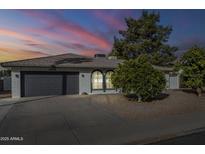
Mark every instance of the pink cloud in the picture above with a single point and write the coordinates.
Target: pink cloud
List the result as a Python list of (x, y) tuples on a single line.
[(56, 21), (30, 41), (17, 35), (109, 19), (59, 36), (52, 35)]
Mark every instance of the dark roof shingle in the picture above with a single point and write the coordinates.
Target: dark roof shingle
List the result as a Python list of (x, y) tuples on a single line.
[(66, 60), (72, 61)]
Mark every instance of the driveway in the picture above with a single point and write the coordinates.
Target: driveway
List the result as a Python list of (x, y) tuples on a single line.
[(56, 120), (83, 120)]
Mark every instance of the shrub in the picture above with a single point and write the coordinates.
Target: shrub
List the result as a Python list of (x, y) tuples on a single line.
[(192, 64), (138, 77)]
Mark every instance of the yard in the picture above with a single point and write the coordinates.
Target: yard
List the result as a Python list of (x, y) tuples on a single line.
[(173, 103)]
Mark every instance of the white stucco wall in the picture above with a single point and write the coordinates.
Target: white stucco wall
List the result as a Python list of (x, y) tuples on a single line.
[(16, 84), (84, 82)]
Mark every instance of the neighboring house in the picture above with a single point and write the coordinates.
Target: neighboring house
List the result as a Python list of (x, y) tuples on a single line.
[(5, 80), (68, 74), (6, 83)]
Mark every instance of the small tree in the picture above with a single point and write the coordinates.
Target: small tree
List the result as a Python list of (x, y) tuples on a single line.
[(137, 76), (192, 64)]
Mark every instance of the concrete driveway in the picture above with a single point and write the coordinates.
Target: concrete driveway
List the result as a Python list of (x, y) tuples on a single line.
[(57, 120), (80, 120)]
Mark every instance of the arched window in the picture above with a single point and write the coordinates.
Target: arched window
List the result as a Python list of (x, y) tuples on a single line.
[(108, 80), (97, 80)]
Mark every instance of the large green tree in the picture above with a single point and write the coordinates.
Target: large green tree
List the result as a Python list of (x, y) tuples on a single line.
[(137, 76), (192, 65), (145, 36)]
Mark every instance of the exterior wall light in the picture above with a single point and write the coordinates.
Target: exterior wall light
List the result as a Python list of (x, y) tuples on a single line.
[(17, 75)]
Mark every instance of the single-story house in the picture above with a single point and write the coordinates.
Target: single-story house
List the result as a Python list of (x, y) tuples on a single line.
[(69, 74)]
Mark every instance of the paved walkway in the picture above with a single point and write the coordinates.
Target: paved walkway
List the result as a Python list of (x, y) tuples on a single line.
[(78, 120)]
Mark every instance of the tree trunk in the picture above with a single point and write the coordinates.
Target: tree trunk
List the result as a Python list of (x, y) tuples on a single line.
[(139, 99), (199, 91)]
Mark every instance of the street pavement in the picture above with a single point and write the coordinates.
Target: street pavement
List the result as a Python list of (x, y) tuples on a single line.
[(191, 139)]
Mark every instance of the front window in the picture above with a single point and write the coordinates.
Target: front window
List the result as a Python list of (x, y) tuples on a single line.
[(97, 80), (109, 84)]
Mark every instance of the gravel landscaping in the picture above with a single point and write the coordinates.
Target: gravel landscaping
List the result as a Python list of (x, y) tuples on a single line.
[(176, 102)]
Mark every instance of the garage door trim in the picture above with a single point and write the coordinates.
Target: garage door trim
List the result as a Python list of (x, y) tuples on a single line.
[(64, 81)]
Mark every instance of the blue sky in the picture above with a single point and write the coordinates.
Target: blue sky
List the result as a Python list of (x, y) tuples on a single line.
[(33, 33)]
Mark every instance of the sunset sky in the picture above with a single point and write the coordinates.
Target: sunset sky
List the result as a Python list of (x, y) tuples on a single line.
[(33, 33)]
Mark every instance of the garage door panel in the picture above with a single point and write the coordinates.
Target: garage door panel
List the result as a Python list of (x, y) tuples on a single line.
[(72, 84), (42, 85)]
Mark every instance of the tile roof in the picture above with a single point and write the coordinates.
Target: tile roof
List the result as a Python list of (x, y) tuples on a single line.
[(66, 60), (71, 61)]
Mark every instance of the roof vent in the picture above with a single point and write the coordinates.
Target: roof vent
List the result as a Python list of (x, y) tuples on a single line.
[(100, 56)]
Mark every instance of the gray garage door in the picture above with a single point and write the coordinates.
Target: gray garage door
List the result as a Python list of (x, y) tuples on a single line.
[(72, 84), (43, 84)]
